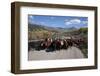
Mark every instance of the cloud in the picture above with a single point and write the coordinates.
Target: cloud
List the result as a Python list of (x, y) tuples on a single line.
[(72, 21), (31, 19), (68, 23), (42, 23), (84, 22), (76, 23)]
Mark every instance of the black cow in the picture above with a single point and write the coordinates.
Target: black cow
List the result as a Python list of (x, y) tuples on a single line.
[(33, 45)]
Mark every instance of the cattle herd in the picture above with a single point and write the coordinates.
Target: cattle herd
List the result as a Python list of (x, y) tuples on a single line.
[(51, 45)]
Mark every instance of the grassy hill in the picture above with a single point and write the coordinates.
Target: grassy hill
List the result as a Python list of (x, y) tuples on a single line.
[(39, 32), (36, 31)]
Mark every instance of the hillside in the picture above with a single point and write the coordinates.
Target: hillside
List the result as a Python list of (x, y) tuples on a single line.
[(36, 31), (39, 32)]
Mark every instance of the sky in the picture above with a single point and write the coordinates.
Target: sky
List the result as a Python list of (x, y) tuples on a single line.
[(58, 21)]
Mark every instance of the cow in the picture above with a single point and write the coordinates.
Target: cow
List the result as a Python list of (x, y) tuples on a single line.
[(46, 43), (69, 42), (65, 44), (57, 44), (33, 45)]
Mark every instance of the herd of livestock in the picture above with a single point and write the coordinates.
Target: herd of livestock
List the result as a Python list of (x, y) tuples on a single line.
[(51, 45)]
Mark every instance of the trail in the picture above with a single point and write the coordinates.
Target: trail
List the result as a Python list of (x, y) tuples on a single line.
[(70, 53)]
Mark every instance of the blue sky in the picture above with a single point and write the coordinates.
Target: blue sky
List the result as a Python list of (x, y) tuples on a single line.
[(58, 21)]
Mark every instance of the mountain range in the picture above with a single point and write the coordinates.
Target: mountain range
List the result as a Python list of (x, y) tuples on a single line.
[(35, 27)]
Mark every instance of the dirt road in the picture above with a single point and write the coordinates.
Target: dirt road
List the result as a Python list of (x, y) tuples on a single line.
[(70, 53)]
